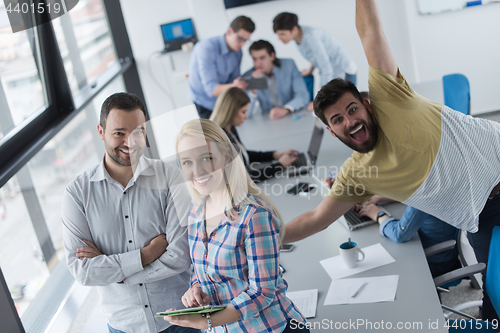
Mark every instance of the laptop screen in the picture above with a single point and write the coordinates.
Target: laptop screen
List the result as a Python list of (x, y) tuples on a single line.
[(315, 143)]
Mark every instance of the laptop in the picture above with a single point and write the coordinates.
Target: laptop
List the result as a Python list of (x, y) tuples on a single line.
[(306, 161), (176, 34), (352, 221)]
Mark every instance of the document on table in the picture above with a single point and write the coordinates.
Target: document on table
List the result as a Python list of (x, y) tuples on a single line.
[(376, 289), (375, 255), (305, 300)]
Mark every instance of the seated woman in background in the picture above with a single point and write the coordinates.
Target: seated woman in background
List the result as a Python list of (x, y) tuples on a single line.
[(234, 240), (231, 111)]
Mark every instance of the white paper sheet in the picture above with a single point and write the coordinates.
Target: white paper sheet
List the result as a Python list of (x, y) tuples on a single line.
[(377, 289), (305, 300), (375, 255)]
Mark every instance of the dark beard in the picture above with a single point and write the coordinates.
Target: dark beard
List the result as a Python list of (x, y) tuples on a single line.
[(114, 154), (368, 145)]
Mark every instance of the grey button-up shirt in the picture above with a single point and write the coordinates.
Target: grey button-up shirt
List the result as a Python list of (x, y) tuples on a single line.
[(325, 53), (120, 221)]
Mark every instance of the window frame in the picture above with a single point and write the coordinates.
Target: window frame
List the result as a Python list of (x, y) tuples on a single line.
[(26, 139)]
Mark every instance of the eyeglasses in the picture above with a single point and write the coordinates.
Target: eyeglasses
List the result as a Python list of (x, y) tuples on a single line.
[(241, 39)]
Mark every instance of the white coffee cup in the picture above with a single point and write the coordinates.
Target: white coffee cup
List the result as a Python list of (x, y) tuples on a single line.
[(350, 253)]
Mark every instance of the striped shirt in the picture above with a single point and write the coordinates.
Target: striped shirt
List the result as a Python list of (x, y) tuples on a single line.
[(428, 156), (325, 52), (238, 265), (465, 171)]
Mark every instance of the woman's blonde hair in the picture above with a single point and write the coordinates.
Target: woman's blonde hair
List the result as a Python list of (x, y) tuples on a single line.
[(227, 105), (238, 182)]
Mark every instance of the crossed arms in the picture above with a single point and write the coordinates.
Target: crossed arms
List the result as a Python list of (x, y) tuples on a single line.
[(160, 257)]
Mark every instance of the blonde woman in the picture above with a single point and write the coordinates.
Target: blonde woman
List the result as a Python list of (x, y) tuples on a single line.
[(230, 112), (234, 240)]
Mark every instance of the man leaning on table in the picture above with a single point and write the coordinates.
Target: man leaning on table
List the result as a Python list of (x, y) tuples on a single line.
[(286, 90), (121, 226), (426, 155), (215, 65)]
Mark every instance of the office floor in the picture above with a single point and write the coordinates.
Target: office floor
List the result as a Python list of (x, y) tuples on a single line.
[(495, 116), (461, 294), (90, 320)]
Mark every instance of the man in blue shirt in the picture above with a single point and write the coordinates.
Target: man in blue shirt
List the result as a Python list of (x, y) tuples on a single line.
[(286, 90), (215, 65)]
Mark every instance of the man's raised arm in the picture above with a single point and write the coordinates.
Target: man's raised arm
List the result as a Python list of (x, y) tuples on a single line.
[(372, 37), (327, 212)]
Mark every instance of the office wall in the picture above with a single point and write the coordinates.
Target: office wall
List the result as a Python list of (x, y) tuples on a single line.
[(143, 20), (426, 47), (336, 16), (464, 41)]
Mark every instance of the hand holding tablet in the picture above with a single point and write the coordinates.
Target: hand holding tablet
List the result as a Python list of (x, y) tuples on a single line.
[(255, 83), (199, 310)]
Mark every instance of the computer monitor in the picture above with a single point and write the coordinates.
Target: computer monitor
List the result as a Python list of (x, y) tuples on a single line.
[(177, 33)]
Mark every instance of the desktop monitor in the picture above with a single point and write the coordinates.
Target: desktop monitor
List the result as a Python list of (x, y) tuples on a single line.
[(177, 33)]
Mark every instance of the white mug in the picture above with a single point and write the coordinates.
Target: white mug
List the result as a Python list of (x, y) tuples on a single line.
[(350, 253)]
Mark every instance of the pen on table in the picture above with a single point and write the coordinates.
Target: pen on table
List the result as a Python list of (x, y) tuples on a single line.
[(473, 3), (359, 289)]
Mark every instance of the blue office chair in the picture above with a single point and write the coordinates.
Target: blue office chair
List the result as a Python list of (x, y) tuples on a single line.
[(310, 86), (493, 271), (456, 91), (492, 278)]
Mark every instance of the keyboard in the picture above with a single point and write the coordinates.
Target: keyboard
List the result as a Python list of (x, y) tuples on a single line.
[(354, 221), (300, 162)]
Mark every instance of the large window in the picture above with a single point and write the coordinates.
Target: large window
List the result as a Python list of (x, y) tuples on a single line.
[(19, 73), (21, 258), (53, 80), (85, 43)]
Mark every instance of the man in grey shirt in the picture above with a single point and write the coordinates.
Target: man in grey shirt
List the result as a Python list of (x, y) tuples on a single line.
[(122, 225)]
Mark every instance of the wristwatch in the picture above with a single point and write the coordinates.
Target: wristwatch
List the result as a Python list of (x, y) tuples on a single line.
[(380, 214)]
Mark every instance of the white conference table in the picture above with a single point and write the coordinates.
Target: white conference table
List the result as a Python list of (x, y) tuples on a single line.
[(416, 303)]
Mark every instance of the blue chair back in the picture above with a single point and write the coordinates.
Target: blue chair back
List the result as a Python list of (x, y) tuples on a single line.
[(456, 91), (493, 269), (310, 86)]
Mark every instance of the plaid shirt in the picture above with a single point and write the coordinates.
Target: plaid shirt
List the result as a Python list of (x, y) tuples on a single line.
[(238, 265)]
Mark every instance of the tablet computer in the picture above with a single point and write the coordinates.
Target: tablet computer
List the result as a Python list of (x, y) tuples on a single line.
[(200, 309), (255, 82)]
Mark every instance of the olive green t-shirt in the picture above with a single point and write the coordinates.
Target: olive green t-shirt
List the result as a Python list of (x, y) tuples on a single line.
[(409, 138)]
